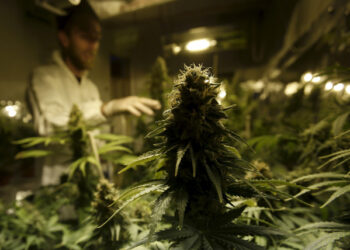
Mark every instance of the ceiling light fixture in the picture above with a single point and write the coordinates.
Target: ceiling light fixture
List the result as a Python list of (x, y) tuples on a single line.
[(338, 87), (328, 86), (307, 77), (200, 45)]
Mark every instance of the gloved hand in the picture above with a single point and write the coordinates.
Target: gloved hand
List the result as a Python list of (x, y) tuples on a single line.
[(132, 104)]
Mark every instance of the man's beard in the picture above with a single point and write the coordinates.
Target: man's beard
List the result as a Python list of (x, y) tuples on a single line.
[(78, 62)]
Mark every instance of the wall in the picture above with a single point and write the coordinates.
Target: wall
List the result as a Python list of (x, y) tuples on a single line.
[(28, 38)]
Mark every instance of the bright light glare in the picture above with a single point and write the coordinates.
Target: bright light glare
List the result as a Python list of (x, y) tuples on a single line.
[(11, 110), (308, 89), (338, 87), (198, 45), (222, 94), (258, 86), (176, 49), (20, 195), (347, 89), (74, 2), (291, 88), (328, 86), (307, 77), (316, 79)]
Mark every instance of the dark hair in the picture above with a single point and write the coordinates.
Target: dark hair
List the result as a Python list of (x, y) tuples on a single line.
[(82, 17)]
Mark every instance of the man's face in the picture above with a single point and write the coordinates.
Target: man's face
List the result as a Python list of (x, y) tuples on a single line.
[(81, 46)]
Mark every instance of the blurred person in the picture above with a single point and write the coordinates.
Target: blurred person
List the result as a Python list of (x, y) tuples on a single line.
[(55, 88)]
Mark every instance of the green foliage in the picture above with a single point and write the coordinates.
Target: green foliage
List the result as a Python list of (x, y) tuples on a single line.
[(213, 233), (29, 225), (158, 85), (32, 228), (114, 233), (335, 231), (205, 195), (201, 161), (159, 82), (33, 154), (85, 193)]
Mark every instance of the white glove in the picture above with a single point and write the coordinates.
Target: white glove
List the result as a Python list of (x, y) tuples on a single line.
[(132, 104)]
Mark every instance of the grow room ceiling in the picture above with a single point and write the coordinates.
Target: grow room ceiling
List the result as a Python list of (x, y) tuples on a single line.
[(261, 33), (251, 28), (267, 30), (112, 8)]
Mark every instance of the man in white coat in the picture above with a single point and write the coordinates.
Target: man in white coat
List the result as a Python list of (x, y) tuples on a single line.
[(55, 88)]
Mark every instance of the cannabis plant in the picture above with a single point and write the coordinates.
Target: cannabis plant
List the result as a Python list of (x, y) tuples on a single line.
[(200, 160), (12, 129), (333, 190), (82, 141), (35, 223), (158, 85), (89, 191), (114, 234)]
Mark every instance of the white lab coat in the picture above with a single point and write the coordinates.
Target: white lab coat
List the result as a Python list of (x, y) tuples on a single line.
[(52, 92)]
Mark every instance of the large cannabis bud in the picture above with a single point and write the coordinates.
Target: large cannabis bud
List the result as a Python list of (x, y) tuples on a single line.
[(197, 145), (114, 233)]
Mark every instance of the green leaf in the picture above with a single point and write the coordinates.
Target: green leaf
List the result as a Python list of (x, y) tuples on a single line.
[(133, 198), (148, 184), (72, 239), (240, 229), (181, 200), (336, 153), (147, 157), (290, 197), (337, 194), (259, 192), (338, 124), (92, 160), (32, 154), (340, 154), (33, 141), (236, 137), (160, 206), (180, 154), (342, 134), (215, 179), (74, 166), (234, 242), (264, 142), (156, 132), (326, 240), (206, 244), (229, 216), (189, 243), (194, 162), (109, 148), (30, 240), (324, 225), (234, 151), (113, 137), (168, 234), (321, 184), (82, 166), (320, 175), (278, 182)]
